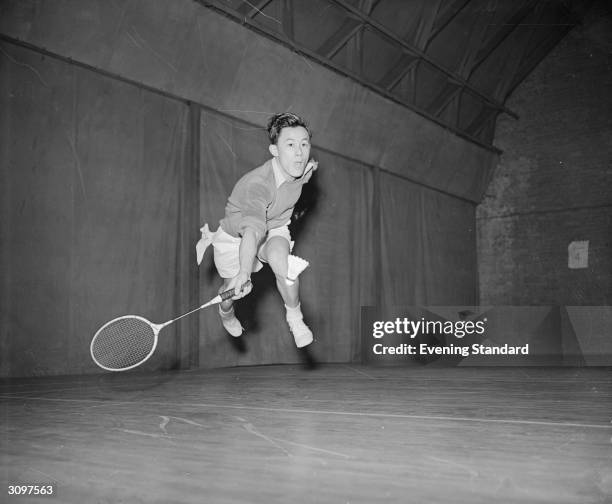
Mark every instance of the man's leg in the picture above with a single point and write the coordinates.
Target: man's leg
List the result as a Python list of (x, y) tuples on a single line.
[(276, 253), (227, 262), (226, 311)]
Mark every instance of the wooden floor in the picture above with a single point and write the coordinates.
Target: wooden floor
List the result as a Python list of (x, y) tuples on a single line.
[(335, 434)]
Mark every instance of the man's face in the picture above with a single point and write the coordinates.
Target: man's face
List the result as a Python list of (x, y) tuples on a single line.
[(292, 150)]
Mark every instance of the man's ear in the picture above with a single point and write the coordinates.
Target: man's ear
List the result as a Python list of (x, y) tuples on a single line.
[(273, 148)]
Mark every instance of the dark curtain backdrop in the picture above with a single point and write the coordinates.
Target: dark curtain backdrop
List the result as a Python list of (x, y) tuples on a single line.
[(100, 204), (103, 186), (428, 246), (334, 233), (428, 257), (91, 172)]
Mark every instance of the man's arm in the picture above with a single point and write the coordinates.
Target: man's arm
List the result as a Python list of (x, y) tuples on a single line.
[(253, 200), (248, 250)]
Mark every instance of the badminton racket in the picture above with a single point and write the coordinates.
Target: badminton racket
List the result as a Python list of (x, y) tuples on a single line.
[(128, 341)]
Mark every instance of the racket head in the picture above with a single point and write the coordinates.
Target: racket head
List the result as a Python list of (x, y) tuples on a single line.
[(124, 343)]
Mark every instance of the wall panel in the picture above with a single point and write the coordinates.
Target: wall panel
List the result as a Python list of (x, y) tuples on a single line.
[(428, 246), (92, 169)]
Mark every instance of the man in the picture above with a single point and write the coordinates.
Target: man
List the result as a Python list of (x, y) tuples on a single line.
[(255, 227)]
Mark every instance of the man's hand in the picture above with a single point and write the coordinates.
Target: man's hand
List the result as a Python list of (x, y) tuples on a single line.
[(242, 284)]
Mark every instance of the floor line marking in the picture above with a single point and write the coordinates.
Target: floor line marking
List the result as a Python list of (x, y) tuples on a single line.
[(330, 412), (360, 372)]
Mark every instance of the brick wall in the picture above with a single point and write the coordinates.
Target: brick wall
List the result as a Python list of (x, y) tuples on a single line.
[(553, 183)]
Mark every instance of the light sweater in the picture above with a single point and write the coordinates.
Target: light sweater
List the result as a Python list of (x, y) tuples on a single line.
[(257, 203)]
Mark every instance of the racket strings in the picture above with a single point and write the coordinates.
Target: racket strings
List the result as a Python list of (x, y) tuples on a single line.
[(123, 343)]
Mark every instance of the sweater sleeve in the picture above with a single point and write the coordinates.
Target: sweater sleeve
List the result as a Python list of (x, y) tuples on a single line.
[(254, 209)]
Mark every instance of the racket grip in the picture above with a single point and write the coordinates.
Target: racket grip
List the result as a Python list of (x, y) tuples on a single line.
[(230, 293)]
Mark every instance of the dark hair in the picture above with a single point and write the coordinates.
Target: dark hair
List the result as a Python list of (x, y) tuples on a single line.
[(284, 120)]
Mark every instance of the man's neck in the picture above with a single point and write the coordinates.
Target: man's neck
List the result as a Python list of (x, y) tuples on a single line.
[(279, 175)]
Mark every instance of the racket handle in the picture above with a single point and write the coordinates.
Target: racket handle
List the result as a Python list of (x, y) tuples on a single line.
[(230, 293)]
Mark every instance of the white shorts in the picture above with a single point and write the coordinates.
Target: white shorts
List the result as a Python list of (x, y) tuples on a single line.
[(227, 250)]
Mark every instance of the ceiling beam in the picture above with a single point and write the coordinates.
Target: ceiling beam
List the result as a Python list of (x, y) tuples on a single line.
[(338, 40), (447, 15), (356, 46), (449, 92), (381, 30), (251, 9), (417, 28), (420, 36), (426, 23), (398, 71), (482, 120), (346, 32), (223, 8)]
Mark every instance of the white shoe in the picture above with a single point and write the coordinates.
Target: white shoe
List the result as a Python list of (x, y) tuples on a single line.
[(230, 322), (301, 333)]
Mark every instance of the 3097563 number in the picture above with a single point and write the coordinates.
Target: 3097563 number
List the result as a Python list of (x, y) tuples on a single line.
[(27, 489)]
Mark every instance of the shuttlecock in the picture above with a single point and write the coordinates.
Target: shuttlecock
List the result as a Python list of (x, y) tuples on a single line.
[(296, 266)]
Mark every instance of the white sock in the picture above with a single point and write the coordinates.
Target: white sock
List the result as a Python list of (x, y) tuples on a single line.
[(294, 313), (301, 333)]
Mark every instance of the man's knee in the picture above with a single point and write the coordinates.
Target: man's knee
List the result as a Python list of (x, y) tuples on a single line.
[(277, 251)]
